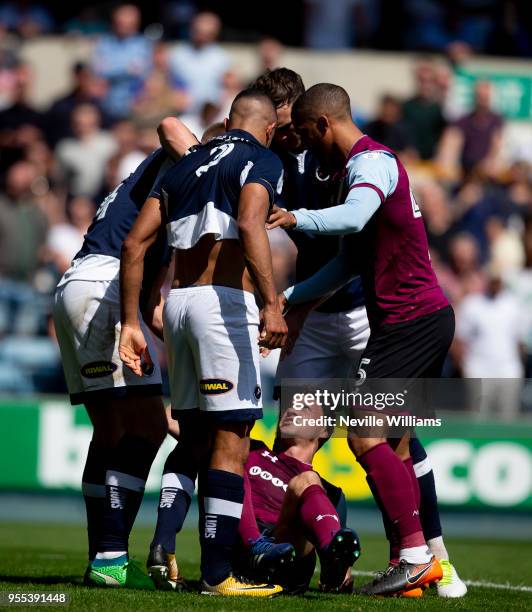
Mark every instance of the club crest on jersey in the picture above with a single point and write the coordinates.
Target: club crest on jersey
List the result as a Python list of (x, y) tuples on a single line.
[(97, 369), (215, 386)]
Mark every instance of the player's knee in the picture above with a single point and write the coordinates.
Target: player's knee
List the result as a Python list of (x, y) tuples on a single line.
[(147, 419), (302, 481), (230, 447)]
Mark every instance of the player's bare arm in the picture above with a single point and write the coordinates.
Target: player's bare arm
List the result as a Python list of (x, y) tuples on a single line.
[(152, 313), (133, 349), (175, 138), (253, 209)]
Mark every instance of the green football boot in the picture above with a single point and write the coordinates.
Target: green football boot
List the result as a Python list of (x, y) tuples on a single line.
[(127, 575)]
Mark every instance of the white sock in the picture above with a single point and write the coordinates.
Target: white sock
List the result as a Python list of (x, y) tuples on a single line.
[(111, 555), (437, 548), (416, 554)]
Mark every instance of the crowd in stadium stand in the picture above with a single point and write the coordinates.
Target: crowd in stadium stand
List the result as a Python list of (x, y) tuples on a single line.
[(57, 165)]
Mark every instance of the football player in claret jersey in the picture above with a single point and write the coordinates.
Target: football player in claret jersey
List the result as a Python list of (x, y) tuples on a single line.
[(126, 410), (214, 203), (331, 338), (287, 501), (412, 323)]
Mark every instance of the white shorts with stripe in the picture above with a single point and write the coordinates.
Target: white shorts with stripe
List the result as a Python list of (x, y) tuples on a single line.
[(211, 334), (329, 346), (87, 322)]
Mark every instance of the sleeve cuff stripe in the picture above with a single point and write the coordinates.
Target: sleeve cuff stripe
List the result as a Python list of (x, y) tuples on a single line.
[(371, 186)]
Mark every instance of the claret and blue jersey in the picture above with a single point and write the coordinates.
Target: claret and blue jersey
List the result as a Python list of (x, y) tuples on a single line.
[(201, 192), (385, 241)]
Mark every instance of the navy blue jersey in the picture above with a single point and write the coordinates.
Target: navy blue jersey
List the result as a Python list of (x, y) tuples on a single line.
[(201, 192), (118, 212), (305, 187)]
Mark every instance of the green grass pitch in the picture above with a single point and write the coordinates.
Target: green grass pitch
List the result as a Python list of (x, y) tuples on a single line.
[(52, 557)]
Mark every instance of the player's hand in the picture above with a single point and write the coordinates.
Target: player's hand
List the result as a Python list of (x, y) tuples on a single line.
[(295, 319), (133, 350), (282, 301), (273, 328), (279, 217)]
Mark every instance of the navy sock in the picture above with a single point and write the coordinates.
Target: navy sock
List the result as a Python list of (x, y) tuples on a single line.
[(429, 512), (220, 512), (177, 487), (125, 482), (93, 487)]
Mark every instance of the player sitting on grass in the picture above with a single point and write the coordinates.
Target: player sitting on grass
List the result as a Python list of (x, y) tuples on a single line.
[(287, 501)]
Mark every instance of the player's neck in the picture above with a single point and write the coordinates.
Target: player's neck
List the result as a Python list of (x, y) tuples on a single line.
[(346, 138), (302, 450)]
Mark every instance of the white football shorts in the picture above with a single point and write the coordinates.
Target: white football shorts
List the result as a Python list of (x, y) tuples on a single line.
[(329, 346), (87, 322), (211, 335)]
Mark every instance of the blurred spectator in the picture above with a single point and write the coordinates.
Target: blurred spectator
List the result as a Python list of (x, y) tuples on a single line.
[(197, 123), (201, 63), (387, 127), (476, 138), (506, 252), (231, 86), (488, 333), (128, 155), (331, 25), (176, 16), (123, 58), (433, 24), (464, 259), (162, 94), (86, 23), (8, 63), (20, 112), (87, 88), (438, 216), (23, 225), (520, 188), (65, 236), (25, 18), (82, 158), (521, 285), (270, 51), (425, 25), (422, 114)]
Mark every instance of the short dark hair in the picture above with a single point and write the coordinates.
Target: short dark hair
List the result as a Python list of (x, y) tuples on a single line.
[(284, 86), (251, 93), (322, 99)]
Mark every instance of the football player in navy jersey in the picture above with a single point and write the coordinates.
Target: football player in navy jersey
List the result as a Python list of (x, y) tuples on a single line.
[(126, 410), (214, 203), (334, 334)]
